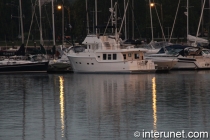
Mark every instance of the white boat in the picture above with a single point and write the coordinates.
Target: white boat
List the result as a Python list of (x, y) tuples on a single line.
[(193, 58), (163, 61), (62, 64), (186, 57), (104, 55)]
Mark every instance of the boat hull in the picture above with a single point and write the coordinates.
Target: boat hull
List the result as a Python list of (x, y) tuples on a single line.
[(163, 64), (26, 67), (192, 63), (91, 65)]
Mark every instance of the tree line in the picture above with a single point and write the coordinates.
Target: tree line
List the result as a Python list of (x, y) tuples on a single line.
[(76, 20)]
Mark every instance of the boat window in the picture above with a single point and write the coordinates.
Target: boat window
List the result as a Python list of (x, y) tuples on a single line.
[(88, 63), (136, 56), (79, 62), (98, 56), (104, 56), (92, 63), (129, 54), (114, 56), (109, 57), (124, 56)]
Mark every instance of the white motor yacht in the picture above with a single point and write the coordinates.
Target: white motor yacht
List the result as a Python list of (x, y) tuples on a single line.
[(103, 54)]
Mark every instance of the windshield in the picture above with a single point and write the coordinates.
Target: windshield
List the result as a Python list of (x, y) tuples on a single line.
[(205, 52)]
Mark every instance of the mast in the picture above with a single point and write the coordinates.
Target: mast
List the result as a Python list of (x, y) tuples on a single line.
[(125, 20), (115, 15), (40, 26), (187, 20), (151, 19), (21, 21), (132, 19), (96, 15), (53, 22), (87, 18), (112, 14), (200, 20), (62, 23)]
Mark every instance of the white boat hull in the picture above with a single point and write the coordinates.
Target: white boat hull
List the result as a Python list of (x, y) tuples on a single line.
[(91, 65), (199, 62), (163, 63)]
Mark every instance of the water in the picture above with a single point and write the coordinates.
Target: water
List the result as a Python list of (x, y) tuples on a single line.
[(102, 106)]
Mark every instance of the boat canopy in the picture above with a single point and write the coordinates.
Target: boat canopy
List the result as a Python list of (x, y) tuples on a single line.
[(197, 39)]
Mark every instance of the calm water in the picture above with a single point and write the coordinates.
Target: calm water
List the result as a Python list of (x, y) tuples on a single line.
[(102, 106)]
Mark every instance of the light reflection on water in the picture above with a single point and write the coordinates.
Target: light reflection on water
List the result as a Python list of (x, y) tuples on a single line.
[(62, 105), (102, 106), (154, 107)]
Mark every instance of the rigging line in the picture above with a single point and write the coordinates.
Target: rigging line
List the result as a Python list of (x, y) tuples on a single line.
[(118, 6), (135, 20), (123, 17), (109, 19), (37, 20), (200, 21), (174, 22), (33, 6), (47, 17), (160, 24)]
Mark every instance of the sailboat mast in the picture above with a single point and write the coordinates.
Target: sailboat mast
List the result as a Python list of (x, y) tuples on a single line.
[(151, 19), (87, 18), (21, 21), (116, 34), (125, 20), (112, 14), (132, 19), (96, 15), (200, 20), (40, 22), (53, 22), (187, 19)]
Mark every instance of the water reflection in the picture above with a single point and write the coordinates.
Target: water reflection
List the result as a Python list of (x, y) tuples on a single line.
[(154, 107), (62, 113), (101, 106)]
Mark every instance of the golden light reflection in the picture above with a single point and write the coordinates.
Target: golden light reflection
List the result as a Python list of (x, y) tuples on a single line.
[(62, 105), (154, 107)]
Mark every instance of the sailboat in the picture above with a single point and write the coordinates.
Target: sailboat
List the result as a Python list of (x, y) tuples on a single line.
[(22, 63), (62, 64), (104, 55)]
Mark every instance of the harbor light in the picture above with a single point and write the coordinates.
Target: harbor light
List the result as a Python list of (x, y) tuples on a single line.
[(152, 4), (59, 7)]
